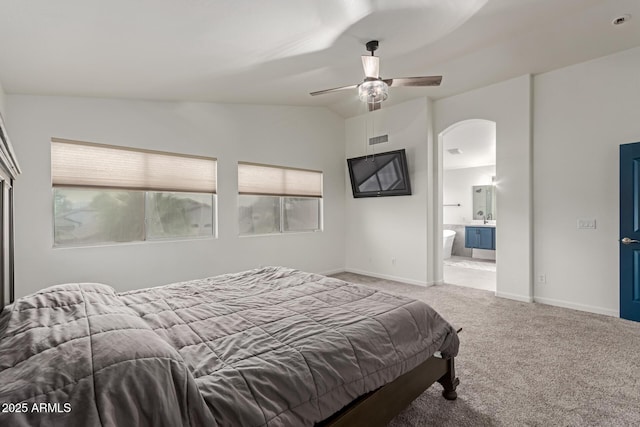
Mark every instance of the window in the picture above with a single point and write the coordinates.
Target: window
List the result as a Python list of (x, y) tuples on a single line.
[(106, 194), (274, 199)]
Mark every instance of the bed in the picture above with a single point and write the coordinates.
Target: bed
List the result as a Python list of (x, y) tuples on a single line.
[(266, 347)]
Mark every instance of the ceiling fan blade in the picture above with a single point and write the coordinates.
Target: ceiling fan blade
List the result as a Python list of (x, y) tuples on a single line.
[(373, 106), (414, 81), (371, 65), (335, 89)]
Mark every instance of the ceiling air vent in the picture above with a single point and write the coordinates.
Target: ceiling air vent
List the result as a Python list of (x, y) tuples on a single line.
[(378, 139)]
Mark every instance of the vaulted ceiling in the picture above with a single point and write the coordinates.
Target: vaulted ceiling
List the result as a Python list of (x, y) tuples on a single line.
[(276, 52)]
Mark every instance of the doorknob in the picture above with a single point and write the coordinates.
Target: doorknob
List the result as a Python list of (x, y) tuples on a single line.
[(628, 241)]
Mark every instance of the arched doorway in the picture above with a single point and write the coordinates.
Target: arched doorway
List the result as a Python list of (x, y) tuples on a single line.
[(469, 203)]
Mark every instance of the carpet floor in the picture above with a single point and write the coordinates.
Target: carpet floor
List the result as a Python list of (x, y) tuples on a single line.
[(527, 364)]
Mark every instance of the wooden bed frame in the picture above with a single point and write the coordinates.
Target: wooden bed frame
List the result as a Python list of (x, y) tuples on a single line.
[(382, 405)]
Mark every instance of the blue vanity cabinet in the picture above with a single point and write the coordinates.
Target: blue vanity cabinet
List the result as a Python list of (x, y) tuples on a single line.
[(480, 237)]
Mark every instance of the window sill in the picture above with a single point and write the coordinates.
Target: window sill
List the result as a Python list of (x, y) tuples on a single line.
[(287, 233), (137, 242)]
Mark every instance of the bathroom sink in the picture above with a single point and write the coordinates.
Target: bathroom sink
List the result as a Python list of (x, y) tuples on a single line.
[(480, 223)]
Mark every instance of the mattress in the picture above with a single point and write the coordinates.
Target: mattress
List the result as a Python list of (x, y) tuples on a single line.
[(266, 347)]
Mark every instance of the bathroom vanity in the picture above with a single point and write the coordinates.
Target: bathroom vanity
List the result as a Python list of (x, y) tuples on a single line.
[(480, 237)]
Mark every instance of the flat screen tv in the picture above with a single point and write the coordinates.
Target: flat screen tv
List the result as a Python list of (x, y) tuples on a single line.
[(378, 175)]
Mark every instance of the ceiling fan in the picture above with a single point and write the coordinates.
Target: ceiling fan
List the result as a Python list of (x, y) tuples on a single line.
[(373, 90)]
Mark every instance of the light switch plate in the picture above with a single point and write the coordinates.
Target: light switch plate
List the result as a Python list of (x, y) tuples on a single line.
[(586, 224)]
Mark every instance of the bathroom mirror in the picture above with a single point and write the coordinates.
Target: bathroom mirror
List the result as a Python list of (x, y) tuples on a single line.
[(484, 202)]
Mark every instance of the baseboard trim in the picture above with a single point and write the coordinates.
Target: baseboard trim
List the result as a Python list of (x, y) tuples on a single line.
[(515, 297), (389, 277), (576, 306), (330, 272)]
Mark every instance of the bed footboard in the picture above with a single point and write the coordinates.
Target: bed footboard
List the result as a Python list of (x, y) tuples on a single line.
[(382, 405)]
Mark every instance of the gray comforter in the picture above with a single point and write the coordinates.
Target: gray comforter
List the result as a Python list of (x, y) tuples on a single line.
[(272, 346)]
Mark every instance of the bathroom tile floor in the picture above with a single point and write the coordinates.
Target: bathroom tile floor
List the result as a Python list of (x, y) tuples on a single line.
[(473, 263), (470, 272)]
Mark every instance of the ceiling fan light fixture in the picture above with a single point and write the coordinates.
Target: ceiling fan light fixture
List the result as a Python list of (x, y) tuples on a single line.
[(373, 91)]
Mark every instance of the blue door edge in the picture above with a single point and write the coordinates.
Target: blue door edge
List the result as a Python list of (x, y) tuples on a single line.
[(629, 214)]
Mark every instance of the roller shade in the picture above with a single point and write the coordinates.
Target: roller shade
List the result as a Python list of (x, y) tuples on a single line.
[(271, 180), (84, 164)]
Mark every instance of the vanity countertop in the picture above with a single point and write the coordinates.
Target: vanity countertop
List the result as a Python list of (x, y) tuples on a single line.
[(480, 224)]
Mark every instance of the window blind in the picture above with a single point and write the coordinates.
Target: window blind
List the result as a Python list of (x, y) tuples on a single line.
[(84, 164), (258, 179)]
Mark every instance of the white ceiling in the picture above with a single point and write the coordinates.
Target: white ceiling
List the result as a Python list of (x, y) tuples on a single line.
[(276, 52), (476, 139)]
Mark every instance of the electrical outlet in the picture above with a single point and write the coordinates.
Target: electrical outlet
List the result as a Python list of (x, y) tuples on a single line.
[(393, 261), (541, 278)]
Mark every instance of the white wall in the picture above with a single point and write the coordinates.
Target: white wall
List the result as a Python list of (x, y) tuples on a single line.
[(380, 229), (2, 101), (582, 114), (457, 188), (509, 105), (296, 136)]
